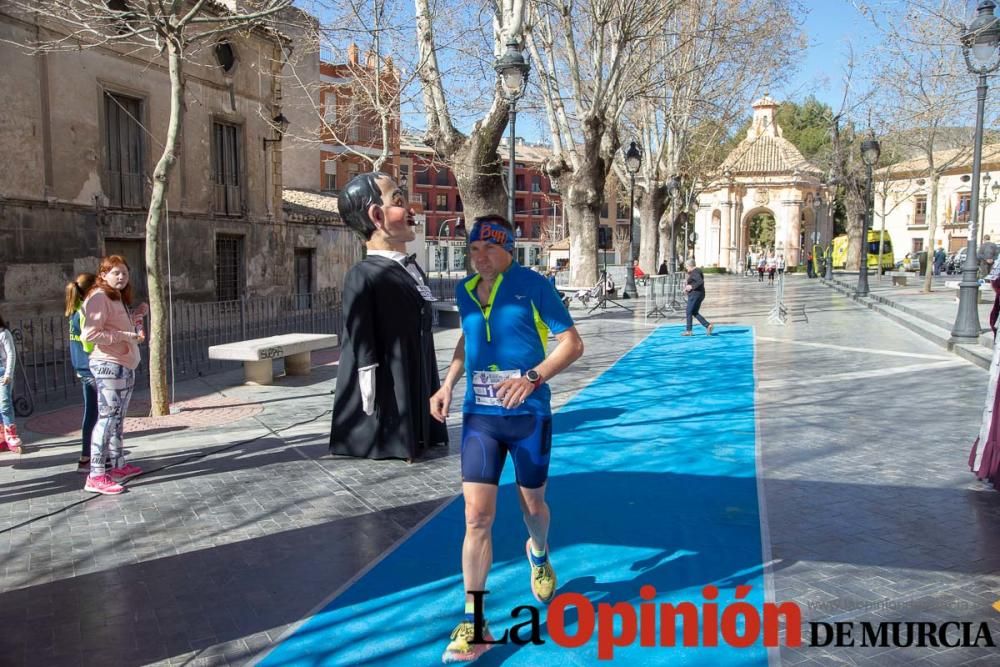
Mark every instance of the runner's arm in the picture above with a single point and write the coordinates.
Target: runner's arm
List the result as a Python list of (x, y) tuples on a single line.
[(441, 400), (569, 348)]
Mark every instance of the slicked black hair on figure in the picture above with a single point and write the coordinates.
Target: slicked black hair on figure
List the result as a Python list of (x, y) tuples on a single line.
[(360, 193)]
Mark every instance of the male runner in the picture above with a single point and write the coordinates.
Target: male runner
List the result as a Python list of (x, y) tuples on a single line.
[(507, 312)]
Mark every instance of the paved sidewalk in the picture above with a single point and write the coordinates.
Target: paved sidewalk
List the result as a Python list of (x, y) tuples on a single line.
[(931, 314), (241, 529)]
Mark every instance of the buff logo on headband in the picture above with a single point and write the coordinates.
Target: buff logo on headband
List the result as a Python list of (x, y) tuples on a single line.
[(491, 232)]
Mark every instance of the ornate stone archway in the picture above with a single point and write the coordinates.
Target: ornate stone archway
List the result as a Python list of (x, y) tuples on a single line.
[(764, 172)]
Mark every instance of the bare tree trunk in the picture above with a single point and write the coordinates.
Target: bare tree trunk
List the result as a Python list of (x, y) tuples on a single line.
[(651, 208), (583, 221), (156, 275), (935, 179), (478, 168), (855, 211), (584, 186)]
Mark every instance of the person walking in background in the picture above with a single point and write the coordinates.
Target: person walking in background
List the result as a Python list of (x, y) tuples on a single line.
[(780, 263), (116, 333), (772, 265), (663, 270), (695, 288), (8, 365), (761, 266), (79, 352), (939, 258), (986, 255)]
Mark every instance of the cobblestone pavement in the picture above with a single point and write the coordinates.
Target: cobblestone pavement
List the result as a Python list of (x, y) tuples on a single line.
[(240, 529)]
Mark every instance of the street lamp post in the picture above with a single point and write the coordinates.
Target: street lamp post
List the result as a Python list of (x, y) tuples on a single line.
[(810, 257), (870, 150), (513, 72), (633, 160), (979, 46), (986, 200)]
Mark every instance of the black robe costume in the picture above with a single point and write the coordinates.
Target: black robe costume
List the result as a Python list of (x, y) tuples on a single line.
[(386, 322)]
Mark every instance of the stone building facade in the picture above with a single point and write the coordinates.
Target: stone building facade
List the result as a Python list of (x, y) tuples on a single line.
[(903, 199), (83, 133)]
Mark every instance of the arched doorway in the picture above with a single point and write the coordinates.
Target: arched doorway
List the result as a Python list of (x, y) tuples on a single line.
[(759, 228)]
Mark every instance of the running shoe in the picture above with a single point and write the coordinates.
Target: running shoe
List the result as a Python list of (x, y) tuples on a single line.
[(127, 471), (687, 333), (103, 484), (709, 329), (461, 648), (543, 577)]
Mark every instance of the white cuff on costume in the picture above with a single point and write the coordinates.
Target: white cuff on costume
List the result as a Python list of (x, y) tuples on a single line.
[(366, 381)]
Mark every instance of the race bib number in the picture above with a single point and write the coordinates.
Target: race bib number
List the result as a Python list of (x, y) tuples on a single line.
[(483, 383)]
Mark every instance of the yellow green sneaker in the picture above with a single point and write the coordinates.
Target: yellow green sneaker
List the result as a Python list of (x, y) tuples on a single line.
[(543, 577), (461, 648)]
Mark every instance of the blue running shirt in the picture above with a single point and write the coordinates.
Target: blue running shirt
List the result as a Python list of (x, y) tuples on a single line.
[(509, 334)]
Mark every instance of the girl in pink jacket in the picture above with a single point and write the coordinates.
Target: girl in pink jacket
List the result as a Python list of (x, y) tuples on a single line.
[(116, 332)]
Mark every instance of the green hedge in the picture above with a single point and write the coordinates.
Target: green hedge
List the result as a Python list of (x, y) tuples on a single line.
[(713, 269)]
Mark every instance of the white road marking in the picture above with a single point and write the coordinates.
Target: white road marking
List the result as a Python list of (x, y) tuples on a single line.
[(830, 346), (858, 375)]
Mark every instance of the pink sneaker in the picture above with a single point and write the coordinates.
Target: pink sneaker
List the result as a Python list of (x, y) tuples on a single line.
[(127, 471), (103, 484)]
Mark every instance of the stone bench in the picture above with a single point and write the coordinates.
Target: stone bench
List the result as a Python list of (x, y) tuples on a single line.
[(899, 278), (257, 354)]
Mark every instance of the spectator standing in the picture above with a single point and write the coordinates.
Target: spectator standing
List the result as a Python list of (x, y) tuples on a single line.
[(8, 365), (79, 352), (116, 332), (939, 259), (663, 270)]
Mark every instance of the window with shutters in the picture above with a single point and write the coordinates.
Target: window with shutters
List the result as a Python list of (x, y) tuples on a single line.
[(920, 210), (304, 280), (228, 267), (124, 151), (227, 155)]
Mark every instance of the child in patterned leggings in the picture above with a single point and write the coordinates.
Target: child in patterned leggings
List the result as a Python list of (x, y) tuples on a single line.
[(116, 333)]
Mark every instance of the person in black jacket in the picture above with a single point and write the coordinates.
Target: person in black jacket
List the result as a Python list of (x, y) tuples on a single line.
[(695, 288), (663, 269)]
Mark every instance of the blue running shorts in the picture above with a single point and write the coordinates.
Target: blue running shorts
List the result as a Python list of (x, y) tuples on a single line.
[(486, 439)]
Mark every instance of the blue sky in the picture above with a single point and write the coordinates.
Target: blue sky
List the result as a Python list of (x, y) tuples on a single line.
[(833, 28)]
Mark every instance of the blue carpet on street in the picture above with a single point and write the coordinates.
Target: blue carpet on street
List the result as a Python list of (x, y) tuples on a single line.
[(653, 481)]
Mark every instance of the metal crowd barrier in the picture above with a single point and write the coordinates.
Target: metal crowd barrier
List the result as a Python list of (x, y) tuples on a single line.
[(779, 314), (663, 295), (46, 378)]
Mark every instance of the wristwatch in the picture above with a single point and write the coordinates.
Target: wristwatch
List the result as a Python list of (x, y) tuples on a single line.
[(534, 378)]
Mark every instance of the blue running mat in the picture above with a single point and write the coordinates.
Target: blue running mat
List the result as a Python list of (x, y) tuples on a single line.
[(653, 481)]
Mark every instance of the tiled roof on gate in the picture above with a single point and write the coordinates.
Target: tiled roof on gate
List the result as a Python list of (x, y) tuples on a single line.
[(765, 150), (766, 154)]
